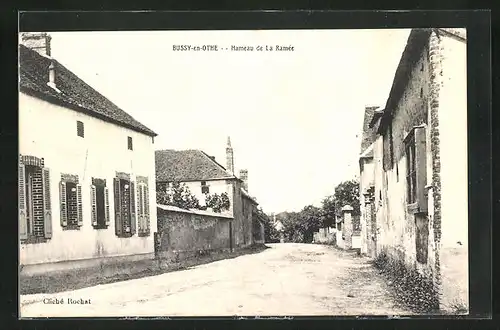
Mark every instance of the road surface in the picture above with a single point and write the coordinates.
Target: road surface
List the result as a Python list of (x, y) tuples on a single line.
[(285, 280)]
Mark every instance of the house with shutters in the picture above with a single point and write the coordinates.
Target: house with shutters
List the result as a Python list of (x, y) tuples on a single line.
[(203, 175), (413, 167), (86, 170)]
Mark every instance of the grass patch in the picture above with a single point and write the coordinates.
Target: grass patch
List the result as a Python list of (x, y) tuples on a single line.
[(410, 288)]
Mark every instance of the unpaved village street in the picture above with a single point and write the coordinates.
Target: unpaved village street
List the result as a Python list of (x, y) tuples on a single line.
[(285, 279)]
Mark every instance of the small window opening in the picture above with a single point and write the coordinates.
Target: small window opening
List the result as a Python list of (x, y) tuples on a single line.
[(130, 146), (80, 129)]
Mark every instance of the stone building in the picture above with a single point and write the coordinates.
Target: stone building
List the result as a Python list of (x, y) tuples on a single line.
[(203, 175), (413, 166), (86, 170)]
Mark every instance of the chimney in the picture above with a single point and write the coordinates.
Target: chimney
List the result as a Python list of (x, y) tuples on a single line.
[(244, 178), (229, 156), (38, 41)]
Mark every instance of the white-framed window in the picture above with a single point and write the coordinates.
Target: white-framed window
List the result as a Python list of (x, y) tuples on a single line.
[(34, 203), (70, 199)]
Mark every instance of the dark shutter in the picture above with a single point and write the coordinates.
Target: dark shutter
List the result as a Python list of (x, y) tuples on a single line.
[(117, 199), (133, 221), (93, 204), (140, 209), (23, 224), (47, 207), (79, 208), (421, 168), (64, 204), (146, 208), (106, 205)]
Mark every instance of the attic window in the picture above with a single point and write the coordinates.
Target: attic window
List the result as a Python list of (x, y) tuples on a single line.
[(204, 188), (129, 140), (80, 129)]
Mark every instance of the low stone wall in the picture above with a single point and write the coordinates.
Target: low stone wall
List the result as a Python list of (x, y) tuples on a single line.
[(184, 233)]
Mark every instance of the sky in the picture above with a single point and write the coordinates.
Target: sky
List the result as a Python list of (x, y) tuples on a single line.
[(294, 117)]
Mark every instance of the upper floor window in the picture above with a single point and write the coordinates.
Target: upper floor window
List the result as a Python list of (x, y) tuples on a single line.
[(35, 211), (80, 131), (415, 152), (99, 204), (129, 142), (205, 189), (70, 196)]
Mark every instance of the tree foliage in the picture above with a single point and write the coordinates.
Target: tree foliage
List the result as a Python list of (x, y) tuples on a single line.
[(218, 202), (179, 195), (271, 234), (347, 193), (301, 226)]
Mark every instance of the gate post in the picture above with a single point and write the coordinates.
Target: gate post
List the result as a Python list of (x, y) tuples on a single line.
[(347, 227)]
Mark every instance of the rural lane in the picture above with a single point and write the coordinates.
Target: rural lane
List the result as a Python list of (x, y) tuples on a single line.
[(285, 280)]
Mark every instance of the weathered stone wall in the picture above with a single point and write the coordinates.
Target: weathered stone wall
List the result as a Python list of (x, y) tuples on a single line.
[(435, 96), (449, 181), (185, 233)]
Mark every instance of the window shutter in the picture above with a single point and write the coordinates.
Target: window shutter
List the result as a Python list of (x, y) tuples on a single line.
[(117, 198), (106, 205), (79, 210), (64, 205), (146, 208), (421, 168), (23, 225), (133, 224), (93, 204), (47, 207), (139, 208)]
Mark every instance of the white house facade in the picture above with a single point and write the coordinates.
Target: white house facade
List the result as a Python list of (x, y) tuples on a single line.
[(86, 169)]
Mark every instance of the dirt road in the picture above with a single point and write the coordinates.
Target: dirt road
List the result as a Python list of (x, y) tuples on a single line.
[(286, 279)]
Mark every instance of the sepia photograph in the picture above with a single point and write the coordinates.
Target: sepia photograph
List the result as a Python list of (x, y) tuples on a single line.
[(247, 173)]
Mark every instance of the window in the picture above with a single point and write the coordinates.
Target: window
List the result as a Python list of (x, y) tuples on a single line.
[(129, 140), (70, 196), (143, 206), (204, 188), (80, 129), (415, 152), (99, 204), (35, 213), (124, 196), (388, 149)]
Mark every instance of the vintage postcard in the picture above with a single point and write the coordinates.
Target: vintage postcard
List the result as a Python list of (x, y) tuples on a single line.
[(243, 173)]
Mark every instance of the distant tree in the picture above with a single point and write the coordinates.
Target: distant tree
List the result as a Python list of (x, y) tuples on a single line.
[(271, 234), (328, 211), (300, 226), (177, 195), (347, 193), (311, 219)]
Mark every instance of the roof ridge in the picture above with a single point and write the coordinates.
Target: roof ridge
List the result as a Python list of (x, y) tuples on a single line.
[(212, 159), (77, 92)]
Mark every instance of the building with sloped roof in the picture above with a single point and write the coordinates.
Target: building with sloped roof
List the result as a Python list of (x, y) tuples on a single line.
[(86, 169), (414, 195), (204, 176)]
